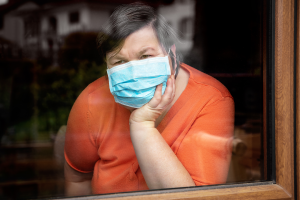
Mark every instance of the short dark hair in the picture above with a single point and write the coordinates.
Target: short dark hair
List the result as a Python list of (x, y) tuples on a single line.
[(129, 18)]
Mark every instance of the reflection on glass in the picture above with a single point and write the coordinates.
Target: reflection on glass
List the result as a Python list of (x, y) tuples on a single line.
[(48, 56)]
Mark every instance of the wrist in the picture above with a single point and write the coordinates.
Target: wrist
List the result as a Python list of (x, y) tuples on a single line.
[(140, 132), (141, 125)]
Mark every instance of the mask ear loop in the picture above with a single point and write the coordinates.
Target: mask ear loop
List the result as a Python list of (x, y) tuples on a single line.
[(173, 62)]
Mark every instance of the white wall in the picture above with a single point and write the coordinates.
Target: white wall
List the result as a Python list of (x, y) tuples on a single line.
[(98, 18), (90, 18), (62, 16), (84, 17)]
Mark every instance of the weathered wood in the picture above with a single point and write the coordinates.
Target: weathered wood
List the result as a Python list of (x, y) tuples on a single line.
[(284, 91), (298, 99), (245, 193)]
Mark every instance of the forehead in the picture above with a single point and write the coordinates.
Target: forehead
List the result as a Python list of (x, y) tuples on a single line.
[(144, 37)]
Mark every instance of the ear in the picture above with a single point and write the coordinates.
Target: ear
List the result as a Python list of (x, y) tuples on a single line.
[(173, 49)]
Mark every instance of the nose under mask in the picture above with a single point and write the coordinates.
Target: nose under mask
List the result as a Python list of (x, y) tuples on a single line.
[(133, 84)]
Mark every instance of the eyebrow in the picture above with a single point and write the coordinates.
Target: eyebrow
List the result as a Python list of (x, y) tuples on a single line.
[(116, 56), (143, 50)]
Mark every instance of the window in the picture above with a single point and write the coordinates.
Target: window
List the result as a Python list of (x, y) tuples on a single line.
[(186, 26), (33, 96), (1, 22), (74, 17), (52, 24), (31, 26)]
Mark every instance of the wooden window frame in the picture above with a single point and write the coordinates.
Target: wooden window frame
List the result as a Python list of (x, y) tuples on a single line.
[(297, 95), (287, 125)]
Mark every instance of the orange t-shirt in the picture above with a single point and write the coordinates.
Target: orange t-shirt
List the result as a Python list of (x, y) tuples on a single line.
[(198, 128)]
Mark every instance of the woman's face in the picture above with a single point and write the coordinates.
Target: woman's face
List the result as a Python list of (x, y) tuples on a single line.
[(139, 45)]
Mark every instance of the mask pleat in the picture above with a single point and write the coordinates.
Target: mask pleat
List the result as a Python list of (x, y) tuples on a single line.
[(133, 84)]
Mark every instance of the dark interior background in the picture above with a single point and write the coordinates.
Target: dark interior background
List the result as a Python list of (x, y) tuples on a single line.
[(38, 87)]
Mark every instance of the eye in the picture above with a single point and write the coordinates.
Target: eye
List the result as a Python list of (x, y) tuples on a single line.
[(119, 62), (145, 56)]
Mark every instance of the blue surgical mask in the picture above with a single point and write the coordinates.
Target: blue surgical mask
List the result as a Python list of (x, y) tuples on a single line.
[(133, 84)]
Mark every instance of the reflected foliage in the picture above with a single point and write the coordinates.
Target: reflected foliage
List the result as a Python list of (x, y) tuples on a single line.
[(36, 98), (49, 91)]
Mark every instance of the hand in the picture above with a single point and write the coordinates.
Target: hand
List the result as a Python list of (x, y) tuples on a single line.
[(148, 113), (151, 148)]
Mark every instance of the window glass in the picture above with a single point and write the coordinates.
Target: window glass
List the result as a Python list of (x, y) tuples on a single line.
[(231, 52), (49, 55)]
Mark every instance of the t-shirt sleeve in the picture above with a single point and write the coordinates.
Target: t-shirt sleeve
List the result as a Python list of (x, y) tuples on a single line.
[(206, 149), (80, 146)]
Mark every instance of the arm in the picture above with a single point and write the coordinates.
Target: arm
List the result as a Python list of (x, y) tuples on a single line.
[(207, 148), (160, 166), (80, 150), (77, 183)]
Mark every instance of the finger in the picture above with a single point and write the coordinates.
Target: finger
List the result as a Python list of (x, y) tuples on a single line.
[(168, 95), (156, 99)]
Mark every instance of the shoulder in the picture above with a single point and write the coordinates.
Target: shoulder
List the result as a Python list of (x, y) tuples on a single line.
[(95, 91), (94, 97), (95, 100), (206, 81), (95, 86)]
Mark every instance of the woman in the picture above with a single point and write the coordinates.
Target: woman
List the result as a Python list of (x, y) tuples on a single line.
[(152, 122)]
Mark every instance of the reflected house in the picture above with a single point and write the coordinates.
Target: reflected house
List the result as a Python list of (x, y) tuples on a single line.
[(40, 28), (180, 16)]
